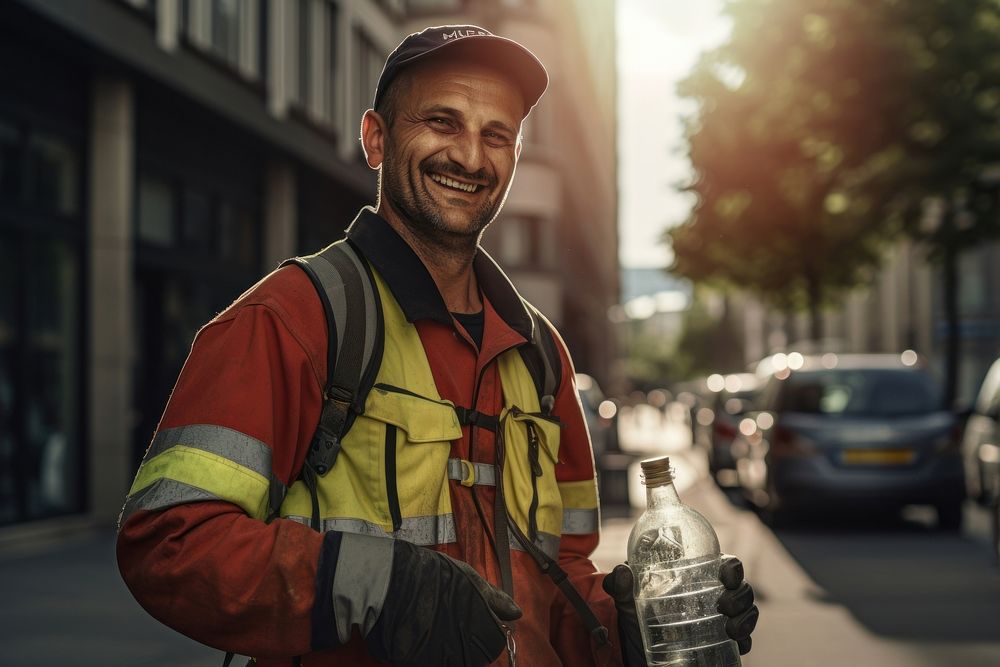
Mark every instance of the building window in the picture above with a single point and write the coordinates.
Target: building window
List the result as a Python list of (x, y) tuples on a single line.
[(50, 406), (226, 20), (536, 130), (40, 296), (237, 234), (40, 170), (10, 484), (304, 45), (196, 220), (370, 60), (332, 78), (526, 242), (157, 212), (53, 177), (433, 5), (10, 178), (514, 241), (226, 29)]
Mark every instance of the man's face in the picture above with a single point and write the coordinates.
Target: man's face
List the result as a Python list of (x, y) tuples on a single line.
[(450, 154)]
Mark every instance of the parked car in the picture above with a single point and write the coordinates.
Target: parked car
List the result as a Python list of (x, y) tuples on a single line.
[(866, 430), (981, 449), (727, 399)]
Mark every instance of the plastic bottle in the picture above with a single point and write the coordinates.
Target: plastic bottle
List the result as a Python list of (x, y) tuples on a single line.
[(675, 558)]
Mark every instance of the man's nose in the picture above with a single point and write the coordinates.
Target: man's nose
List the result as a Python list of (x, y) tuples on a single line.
[(467, 151)]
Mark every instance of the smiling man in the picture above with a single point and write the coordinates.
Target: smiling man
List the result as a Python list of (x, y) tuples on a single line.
[(377, 454)]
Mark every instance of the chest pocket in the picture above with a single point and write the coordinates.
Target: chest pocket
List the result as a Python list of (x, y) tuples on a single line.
[(365, 492), (416, 433), (532, 451)]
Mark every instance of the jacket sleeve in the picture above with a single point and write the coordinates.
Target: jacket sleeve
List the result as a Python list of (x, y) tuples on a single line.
[(577, 480), (192, 546)]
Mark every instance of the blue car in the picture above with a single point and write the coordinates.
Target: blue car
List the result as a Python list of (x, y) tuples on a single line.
[(865, 430)]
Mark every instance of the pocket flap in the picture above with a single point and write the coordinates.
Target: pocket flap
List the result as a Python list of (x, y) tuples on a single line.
[(548, 432), (423, 419)]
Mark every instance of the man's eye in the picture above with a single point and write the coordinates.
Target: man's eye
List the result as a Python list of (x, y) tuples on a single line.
[(497, 138), (441, 123)]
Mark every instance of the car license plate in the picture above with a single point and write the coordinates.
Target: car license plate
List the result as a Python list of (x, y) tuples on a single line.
[(878, 457)]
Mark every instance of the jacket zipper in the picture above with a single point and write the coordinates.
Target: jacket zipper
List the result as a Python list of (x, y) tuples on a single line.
[(392, 493), (536, 472)]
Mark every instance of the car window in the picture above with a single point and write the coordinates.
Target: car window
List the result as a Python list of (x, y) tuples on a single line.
[(860, 392)]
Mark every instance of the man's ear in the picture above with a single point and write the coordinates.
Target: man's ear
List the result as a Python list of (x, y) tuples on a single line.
[(373, 134)]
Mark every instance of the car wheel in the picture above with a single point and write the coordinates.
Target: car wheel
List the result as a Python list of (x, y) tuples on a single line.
[(949, 515)]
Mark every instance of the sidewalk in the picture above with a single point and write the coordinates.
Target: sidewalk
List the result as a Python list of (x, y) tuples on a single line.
[(65, 605)]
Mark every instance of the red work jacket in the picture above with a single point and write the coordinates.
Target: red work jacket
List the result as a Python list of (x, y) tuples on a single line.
[(235, 583)]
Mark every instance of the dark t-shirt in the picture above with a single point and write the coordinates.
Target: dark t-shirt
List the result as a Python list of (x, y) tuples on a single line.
[(473, 323)]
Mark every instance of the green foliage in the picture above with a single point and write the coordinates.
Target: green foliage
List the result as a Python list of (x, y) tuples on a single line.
[(824, 126)]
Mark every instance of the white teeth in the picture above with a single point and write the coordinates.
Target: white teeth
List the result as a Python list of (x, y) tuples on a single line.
[(444, 180)]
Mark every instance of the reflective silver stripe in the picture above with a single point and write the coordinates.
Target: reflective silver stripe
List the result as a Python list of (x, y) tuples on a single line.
[(547, 542), (360, 582), (578, 521), (421, 530), (237, 447), (161, 494), (485, 473)]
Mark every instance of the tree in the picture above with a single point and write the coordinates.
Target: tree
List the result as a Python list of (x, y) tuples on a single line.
[(766, 145), (945, 178), (824, 129)]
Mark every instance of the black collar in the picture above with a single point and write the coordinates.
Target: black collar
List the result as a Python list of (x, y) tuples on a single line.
[(412, 285)]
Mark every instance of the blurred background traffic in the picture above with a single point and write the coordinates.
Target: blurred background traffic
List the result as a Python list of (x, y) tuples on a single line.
[(767, 229)]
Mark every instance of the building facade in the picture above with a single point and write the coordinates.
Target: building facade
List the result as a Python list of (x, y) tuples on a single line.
[(157, 157), (902, 308)]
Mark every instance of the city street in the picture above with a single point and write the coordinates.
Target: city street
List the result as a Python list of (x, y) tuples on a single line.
[(843, 591), (846, 590)]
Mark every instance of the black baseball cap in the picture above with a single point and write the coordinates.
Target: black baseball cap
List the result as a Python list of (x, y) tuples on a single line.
[(472, 42)]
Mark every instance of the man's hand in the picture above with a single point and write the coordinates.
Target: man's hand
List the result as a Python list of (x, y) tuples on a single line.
[(735, 603), (439, 611), (618, 584)]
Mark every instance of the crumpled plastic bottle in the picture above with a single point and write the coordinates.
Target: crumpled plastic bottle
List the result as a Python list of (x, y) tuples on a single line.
[(674, 554)]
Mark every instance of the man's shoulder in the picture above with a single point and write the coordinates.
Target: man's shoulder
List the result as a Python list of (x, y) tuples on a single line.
[(286, 290), (287, 297)]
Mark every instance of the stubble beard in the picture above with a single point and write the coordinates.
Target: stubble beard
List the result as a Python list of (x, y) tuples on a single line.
[(423, 217)]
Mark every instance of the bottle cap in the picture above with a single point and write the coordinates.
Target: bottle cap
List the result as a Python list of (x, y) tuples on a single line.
[(657, 472)]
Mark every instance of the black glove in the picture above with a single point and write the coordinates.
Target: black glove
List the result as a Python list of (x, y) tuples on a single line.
[(735, 603), (439, 611), (618, 584)]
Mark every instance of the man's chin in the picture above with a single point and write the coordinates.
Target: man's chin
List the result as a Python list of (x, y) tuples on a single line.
[(462, 225)]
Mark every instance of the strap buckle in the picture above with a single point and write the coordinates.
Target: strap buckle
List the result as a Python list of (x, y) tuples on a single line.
[(469, 475)]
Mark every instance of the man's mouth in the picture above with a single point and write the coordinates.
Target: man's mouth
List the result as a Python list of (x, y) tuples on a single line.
[(455, 185)]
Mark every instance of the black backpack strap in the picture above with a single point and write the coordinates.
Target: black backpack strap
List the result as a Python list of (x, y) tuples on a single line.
[(542, 358), (355, 338)]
